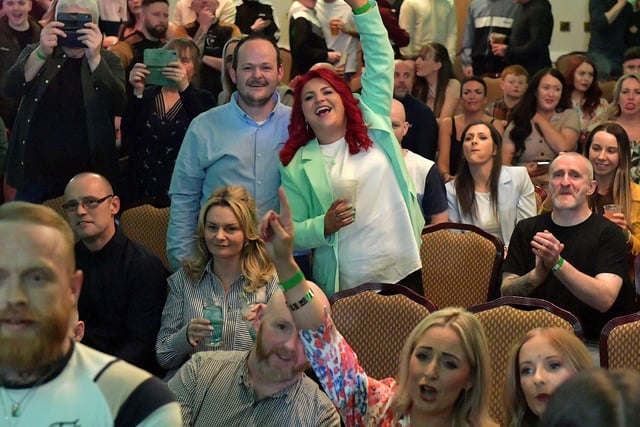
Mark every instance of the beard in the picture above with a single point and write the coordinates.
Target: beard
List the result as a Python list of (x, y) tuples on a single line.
[(159, 31), (39, 346), (277, 374)]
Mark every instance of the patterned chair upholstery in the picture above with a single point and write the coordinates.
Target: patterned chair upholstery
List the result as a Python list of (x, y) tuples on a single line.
[(620, 343), (460, 269), (368, 312), (505, 320), (56, 205), (148, 225)]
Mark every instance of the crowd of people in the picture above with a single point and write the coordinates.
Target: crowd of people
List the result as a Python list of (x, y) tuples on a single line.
[(282, 193)]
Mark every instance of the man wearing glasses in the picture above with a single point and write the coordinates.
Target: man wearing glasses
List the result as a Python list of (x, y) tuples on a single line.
[(124, 288)]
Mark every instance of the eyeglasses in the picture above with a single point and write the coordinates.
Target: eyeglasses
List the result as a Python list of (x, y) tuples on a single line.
[(86, 202)]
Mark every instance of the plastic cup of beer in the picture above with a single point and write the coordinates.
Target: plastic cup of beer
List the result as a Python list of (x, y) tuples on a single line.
[(498, 38), (609, 210)]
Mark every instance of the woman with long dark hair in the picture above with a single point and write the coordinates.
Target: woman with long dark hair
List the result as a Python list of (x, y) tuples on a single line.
[(336, 137)]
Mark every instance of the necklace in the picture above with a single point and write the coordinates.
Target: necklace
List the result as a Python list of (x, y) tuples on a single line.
[(18, 405)]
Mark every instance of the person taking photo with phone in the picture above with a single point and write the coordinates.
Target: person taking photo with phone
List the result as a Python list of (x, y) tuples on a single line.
[(70, 95)]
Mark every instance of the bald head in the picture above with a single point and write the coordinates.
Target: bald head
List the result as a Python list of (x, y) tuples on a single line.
[(398, 120)]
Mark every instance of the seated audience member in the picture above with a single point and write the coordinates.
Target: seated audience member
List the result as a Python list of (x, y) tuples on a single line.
[(111, 15), (538, 364), (607, 147), (157, 120), (184, 12), (542, 125), (596, 398), (152, 34), (17, 30), (65, 122), (230, 266), (486, 19), (330, 142), (513, 83), (257, 16), (262, 386), (631, 60), (339, 31), (530, 37), (422, 135), (133, 22), (473, 100), (609, 22), (398, 36), (571, 257), (124, 283), (428, 22), (435, 84), (47, 378), (625, 111), (308, 46), (485, 193), (582, 83), (443, 376), (210, 34), (426, 178), (228, 85)]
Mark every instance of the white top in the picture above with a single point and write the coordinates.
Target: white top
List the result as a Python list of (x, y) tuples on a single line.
[(429, 21), (343, 42), (113, 10), (370, 248), (418, 168), (487, 218)]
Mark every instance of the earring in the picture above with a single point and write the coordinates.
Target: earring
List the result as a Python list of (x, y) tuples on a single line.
[(306, 125), (245, 244)]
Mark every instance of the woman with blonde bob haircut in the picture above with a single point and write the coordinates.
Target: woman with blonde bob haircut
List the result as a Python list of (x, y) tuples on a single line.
[(230, 267), (471, 405), (530, 381)]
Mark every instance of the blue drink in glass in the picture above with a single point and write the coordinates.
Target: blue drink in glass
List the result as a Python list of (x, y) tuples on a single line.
[(213, 313)]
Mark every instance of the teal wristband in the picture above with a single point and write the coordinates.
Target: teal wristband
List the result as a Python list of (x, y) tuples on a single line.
[(293, 281), (362, 9), (558, 265), (304, 301), (40, 54)]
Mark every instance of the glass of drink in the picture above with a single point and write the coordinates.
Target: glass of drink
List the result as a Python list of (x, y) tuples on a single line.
[(498, 38), (212, 311), (609, 210), (346, 189)]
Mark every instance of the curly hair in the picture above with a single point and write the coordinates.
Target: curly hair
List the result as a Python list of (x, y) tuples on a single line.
[(299, 130), (255, 263), (593, 93), (528, 105)]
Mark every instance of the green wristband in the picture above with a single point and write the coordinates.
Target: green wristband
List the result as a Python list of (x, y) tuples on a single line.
[(558, 265), (40, 54), (293, 281), (362, 9)]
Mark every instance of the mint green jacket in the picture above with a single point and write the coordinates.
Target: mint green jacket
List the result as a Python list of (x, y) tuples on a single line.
[(305, 179)]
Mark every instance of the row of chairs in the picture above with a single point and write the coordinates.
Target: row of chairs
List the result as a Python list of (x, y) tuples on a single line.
[(374, 310)]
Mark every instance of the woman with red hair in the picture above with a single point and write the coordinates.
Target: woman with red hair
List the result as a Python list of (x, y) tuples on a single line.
[(334, 137), (582, 82)]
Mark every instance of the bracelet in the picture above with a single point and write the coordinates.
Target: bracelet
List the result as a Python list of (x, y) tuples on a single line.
[(293, 281), (362, 9), (558, 265), (40, 54), (627, 235), (304, 301)]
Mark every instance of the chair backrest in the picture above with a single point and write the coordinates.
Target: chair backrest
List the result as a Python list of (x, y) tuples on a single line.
[(494, 91), (368, 312), (56, 205), (505, 320), (563, 60), (620, 343), (460, 264), (147, 225), (287, 61), (607, 89)]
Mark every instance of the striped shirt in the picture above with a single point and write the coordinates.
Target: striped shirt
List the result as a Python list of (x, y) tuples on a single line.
[(185, 301), (214, 389)]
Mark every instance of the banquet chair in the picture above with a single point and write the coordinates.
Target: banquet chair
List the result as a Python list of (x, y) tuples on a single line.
[(460, 264), (506, 320), (287, 60), (620, 343), (56, 205), (376, 319), (147, 225)]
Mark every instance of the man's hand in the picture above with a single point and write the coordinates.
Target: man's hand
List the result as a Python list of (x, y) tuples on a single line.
[(260, 24), (546, 247), (499, 49), (49, 37), (91, 37)]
